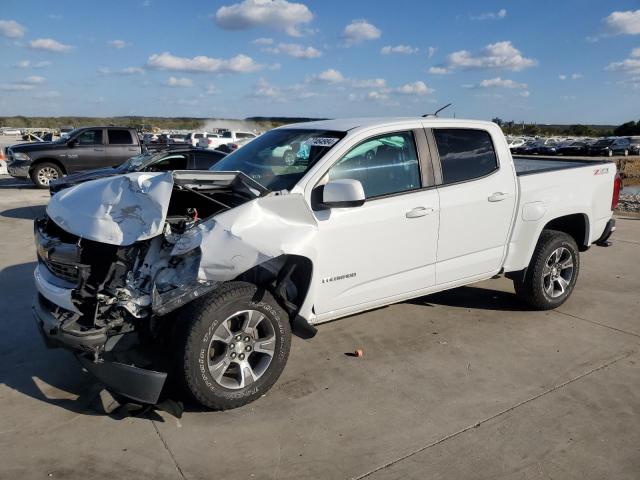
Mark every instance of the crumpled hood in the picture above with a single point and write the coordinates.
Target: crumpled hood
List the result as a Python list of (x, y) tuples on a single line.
[(84, 176), (117, 210)]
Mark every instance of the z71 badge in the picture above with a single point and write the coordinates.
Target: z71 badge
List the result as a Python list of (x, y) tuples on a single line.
[(601, 171)]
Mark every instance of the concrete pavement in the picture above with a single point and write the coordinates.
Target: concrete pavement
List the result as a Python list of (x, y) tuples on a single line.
[(462, 384)]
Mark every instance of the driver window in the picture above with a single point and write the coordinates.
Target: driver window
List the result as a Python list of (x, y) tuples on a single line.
[(384, 165), (174, 162), (90, 137)]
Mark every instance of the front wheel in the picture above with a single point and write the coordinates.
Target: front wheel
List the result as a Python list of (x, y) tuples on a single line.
[(552, 272), (235, 345), (45, 173)]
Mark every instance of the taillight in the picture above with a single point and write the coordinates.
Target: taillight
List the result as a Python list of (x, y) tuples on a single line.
[(617, 186)]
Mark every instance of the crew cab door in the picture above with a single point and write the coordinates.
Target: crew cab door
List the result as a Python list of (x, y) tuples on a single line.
[(386, 247), (87, 151), (477, 202), (120, 146)]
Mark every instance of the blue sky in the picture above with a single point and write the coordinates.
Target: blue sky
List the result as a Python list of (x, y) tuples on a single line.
[(562, 61)]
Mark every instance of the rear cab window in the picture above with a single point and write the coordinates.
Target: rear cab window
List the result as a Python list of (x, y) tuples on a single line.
[(119, 137), (465, 154)]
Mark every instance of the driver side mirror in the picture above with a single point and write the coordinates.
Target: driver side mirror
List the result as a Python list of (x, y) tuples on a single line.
[(72, 143), (343, 193)]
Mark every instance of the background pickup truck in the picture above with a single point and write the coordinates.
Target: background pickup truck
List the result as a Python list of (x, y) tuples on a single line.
[(224, 138), (214, 269), (82, 149)]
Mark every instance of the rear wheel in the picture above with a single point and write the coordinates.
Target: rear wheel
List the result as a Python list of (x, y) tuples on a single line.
[(552, 272), (235, 346), (45, 173)]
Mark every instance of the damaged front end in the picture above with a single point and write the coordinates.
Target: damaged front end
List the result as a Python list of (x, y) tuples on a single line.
[(118, 254)]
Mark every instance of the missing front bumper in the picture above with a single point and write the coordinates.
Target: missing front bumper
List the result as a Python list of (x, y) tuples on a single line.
[(136, 383)]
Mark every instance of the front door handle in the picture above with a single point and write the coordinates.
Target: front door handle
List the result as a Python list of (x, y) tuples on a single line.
[(497, 196), (419, 212), (98, 149)]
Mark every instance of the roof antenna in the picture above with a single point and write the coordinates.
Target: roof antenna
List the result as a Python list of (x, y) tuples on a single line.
[(437, 111)]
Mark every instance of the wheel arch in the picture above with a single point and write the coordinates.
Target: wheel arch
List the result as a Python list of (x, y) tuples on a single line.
[(575, 225), (40, 161), (288, 277)]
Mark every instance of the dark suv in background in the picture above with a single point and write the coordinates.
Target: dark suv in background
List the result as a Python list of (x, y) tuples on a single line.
[(609, 147), (82, 149)]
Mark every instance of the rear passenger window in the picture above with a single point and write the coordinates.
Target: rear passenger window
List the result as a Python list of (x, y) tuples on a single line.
[(119, 137), (384, 165), (465, 154), (202, 161)]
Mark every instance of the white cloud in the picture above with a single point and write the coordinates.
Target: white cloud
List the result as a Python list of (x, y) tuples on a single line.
[(29, 64), (623, 23), (15, 87), (179, 82), (562, 77), (501, 83), (328, 76), (238, 64), (500, 55), (576, 76), (359, 31), (55, 16), (377, 96), (369, 83), (295, 50), (263, 41), (431, 51), (402, 49), (415, 88), (265, 90), (34, 80), (524, 94), (499, 15), (628, 65), (118, 43), (11, 29), (277, 14), (438, 71), (132, 71), (50, 45), (211, 89)]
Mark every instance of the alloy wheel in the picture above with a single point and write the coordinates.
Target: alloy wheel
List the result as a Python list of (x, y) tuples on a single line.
[(241, 349), (557, 272)]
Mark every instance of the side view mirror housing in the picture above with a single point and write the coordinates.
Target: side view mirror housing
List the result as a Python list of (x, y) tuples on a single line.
[(343, 193), (72, 143)]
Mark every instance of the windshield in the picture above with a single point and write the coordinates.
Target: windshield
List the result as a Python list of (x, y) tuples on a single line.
[(280, 158), (603, 142), (139, 161)]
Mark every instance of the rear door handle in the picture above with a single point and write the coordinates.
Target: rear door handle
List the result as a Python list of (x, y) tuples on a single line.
[(98, 149), (419, 212), (497, 196)]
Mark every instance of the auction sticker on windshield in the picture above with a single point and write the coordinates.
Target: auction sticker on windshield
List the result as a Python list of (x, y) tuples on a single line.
[(321, 141)]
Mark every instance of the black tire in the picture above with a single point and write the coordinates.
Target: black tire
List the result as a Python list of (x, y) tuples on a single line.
[(53, 172), (531, 288), (203, 317)]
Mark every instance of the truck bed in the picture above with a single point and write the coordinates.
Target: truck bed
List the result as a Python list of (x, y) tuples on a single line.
[(529, 165)]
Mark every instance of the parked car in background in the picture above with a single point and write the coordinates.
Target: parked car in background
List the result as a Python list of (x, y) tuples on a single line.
[(634, 146), (11, 131), (530, 147), (230, 147), (516, 142), (578, 148), (149, 138), (82, 149), (65, 131), (168, 138), (608, 147), (229, 136), (195, 137), (184, 158)]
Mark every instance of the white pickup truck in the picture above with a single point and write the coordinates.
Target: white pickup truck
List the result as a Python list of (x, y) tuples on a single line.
[(213, 269), (224, 138)]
